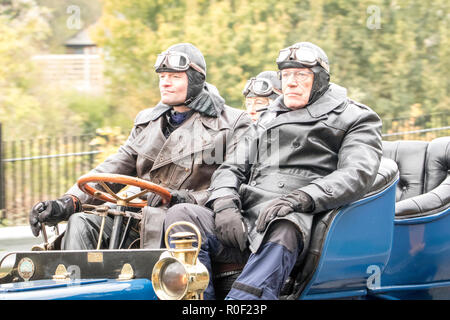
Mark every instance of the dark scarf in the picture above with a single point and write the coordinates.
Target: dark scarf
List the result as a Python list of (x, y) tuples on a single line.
[(175, 119)]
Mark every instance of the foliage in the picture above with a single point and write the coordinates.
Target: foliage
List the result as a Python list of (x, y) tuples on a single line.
[(390, 64), (25, 102), (395, 62), (29, 106), (107, 140), (93, 111)]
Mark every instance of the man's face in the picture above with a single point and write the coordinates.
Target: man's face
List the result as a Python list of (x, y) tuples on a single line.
[(296, 86), (254, 103), (173, 87)]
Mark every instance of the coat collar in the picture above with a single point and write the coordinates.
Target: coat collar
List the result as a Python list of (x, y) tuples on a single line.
[(190, 138), (331, 99), (334, 97), (151, 114)]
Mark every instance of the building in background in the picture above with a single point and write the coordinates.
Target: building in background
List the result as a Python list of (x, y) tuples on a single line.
[(81, 68)]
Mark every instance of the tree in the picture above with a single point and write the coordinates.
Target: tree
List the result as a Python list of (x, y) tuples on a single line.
[(390, 55), (30, 107)]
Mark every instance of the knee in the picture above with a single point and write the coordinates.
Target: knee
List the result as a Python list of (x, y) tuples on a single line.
[(283, 226), (181, 212), (199, 216), (285, 233), (77, 221)]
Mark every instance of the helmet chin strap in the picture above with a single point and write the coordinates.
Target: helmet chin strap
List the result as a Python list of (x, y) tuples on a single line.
[(178, 105), (320, 84), (183, 104), (196, 82)]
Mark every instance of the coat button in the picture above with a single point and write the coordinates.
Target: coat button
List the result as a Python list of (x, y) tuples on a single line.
[(296, 144), (186, 169), (253, 183), (329, 190), (280, 184)]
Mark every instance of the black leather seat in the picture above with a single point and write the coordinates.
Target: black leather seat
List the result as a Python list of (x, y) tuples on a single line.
[(424, 185), (423, 189)]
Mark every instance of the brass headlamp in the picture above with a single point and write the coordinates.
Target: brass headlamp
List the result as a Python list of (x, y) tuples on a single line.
[(179, 275)]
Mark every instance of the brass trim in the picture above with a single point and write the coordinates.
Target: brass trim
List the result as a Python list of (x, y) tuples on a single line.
[(95, 257), (187, 255), (193, 259), (38, 247), (26, 268), (61, 273), (127, 272)]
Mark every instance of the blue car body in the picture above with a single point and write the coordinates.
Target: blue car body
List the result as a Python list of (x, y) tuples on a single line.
[(83, 289), (366, 253)]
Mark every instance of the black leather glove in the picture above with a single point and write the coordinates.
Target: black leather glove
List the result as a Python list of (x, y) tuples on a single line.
[(230, 227), (178, 196), (296, 201), (52, 212)]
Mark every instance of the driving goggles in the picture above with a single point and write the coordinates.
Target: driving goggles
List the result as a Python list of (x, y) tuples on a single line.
[(177, 61), (303, 55), (260, 87)]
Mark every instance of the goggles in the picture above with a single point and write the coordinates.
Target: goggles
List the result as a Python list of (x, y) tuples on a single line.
[(177, 61), (303, 55), (260, 87)]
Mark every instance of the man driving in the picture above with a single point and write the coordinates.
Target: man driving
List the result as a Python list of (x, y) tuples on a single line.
[(177, 144)]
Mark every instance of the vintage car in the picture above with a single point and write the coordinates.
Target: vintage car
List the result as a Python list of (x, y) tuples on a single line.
[(392, 244)]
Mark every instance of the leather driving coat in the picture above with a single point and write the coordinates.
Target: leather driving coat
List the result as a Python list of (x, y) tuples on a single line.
[(187, 158), (330, 149)]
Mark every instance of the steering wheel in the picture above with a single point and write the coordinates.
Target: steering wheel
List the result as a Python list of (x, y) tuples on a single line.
[(111, 196)]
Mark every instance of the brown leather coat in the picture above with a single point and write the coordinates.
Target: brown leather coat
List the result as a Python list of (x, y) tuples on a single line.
[(187, 158)]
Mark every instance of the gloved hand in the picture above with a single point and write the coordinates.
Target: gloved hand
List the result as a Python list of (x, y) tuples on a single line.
[(297, 201), (178, 196), (230, 227), (52, 212)]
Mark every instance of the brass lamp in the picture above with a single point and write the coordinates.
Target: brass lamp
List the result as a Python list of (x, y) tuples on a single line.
[(179, 275)]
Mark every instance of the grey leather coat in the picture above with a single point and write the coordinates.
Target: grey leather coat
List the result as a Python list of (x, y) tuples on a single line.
[(331, 150)]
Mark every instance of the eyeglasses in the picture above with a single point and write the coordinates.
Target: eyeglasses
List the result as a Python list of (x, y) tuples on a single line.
[(178, 61), (299, 76), (260, 87), (303, 55)]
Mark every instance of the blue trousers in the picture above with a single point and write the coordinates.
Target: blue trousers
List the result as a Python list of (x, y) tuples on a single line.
[(267, 269)]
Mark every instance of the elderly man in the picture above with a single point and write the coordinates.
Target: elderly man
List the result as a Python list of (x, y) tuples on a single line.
[(178, 144), (316, 150), (260, 92)]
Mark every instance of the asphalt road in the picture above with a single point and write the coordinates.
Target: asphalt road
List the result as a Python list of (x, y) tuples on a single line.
[(20, 238), (17, 238)]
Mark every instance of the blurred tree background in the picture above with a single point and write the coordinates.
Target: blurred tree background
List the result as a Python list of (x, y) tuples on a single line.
[(391, 55)]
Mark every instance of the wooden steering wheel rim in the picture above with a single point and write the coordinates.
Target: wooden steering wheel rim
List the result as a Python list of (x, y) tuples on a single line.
[(121, 179)]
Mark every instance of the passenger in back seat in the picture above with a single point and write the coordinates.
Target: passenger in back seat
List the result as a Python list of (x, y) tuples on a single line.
[(260, 92)]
